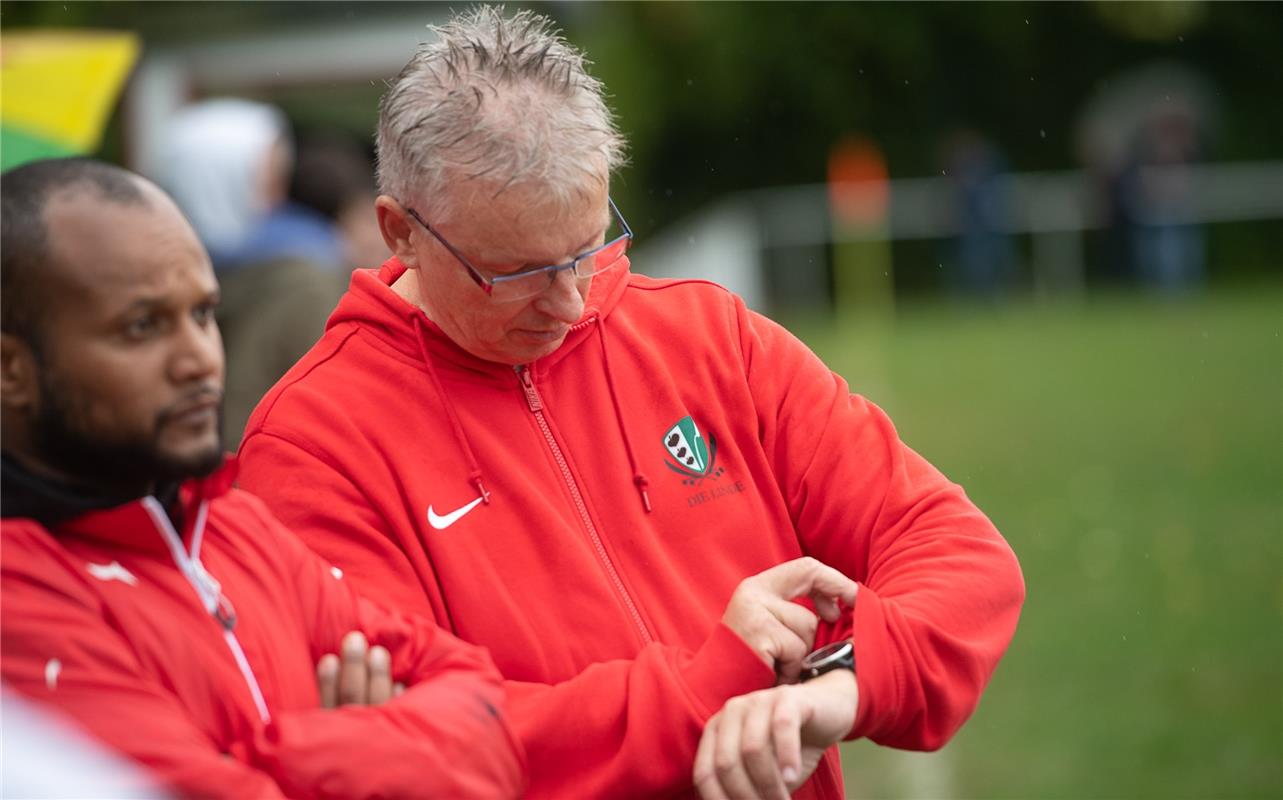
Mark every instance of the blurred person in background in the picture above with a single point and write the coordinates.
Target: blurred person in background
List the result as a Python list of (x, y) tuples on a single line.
[(620, 485), (335, 178), (281, 266), (1153, 197), (1139, 136), (168, 615), (983, 251)]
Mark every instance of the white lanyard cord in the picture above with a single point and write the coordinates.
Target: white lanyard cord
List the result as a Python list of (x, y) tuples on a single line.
[(207, 588)]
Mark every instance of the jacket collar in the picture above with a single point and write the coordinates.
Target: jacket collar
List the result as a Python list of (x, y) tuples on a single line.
[(387, 316), (50, 501), (130, 526)]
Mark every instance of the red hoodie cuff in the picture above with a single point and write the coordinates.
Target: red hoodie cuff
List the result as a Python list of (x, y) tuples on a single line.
[(875, 672), (722, 668)]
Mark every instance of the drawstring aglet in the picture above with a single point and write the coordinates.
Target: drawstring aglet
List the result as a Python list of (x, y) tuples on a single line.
[(642, 483), (481, 488)]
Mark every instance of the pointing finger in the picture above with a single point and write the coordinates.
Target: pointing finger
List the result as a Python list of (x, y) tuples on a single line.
[(832, 585), (806, 576)]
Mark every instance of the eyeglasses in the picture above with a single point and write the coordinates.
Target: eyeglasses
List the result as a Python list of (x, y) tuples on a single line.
[(530, 282)]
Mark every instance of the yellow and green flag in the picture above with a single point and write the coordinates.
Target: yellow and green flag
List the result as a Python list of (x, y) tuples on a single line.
[(57, 90)]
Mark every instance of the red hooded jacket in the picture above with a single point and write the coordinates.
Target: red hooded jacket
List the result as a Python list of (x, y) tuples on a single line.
[(588, 516), (195, 655)]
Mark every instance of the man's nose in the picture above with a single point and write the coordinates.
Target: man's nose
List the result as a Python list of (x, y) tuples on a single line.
[(198, 352), (564, 298)]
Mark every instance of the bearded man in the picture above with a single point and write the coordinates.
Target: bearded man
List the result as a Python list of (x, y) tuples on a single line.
[(142, 598)]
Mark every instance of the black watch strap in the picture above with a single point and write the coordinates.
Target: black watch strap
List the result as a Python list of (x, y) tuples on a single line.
[(839, 655)]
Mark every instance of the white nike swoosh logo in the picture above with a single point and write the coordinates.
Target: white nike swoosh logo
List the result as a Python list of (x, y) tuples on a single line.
[(114, 571), (442, 522)]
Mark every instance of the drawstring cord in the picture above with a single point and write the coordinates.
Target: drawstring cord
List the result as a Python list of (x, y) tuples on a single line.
[(460, 436), (639, 479)]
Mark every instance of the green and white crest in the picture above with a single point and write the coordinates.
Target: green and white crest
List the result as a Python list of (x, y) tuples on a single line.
[(686, 445)]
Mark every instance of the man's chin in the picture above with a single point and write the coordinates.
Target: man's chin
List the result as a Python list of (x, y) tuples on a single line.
[(175, 450), (194, 461)]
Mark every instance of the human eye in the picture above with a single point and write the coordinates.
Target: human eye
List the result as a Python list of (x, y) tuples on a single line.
[(142, 326), (525, 277), (513, 270), (204, 313)]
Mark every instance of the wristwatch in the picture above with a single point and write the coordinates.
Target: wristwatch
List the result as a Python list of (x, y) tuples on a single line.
[(839, 655)]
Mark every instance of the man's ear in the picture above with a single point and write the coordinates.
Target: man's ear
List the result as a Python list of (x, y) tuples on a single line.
[(396, 226), (19, 383)]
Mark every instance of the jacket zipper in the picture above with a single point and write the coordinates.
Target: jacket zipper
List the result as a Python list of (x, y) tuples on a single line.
[(536, 407), (207, 590)]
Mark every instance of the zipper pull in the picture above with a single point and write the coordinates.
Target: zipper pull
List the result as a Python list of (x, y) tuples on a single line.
[(225, 613), (528, 386), (220, 608)]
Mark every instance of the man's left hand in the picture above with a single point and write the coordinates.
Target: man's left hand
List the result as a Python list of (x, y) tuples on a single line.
[(766, 744), (361, 676)]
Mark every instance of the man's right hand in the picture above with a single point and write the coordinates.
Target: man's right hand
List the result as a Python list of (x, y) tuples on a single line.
[(362, 675), (782, 632)]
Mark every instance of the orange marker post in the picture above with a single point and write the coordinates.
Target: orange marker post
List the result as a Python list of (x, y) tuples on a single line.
[(859, 199)]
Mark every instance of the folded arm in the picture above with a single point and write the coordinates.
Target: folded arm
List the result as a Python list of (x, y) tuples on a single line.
[(446, 734)]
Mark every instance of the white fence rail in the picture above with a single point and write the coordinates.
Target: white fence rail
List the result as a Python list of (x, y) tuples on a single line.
[(727, 242)]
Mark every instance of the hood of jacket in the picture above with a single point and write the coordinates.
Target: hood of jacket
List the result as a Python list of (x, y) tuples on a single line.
[(392, 320)]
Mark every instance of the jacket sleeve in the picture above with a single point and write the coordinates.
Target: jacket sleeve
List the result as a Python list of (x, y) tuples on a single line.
[(445, 736), (940, 589), (622, 728), (61, 651), (629, 728)]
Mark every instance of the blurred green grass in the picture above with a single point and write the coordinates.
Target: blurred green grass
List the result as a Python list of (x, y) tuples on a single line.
[(1131, 450)]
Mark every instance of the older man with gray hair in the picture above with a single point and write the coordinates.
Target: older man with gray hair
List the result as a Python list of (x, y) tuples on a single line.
[(698, 559)]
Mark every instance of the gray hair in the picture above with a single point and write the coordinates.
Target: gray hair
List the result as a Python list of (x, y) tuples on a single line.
[(500, 98)]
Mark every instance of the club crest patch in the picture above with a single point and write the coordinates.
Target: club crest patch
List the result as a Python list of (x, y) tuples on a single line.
[(690, 455)]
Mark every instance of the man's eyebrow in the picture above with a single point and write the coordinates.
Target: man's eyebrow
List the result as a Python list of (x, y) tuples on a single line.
[(141, 303), (155, 301)]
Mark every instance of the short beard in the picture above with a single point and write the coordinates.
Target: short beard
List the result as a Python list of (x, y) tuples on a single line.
[(93, 460)]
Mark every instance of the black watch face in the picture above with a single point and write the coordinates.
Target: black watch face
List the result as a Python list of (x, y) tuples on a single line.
[(830, 652), (839, 655)]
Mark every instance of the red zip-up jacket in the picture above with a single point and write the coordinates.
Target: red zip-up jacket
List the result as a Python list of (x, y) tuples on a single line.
[(194, 654), (675, 444)]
